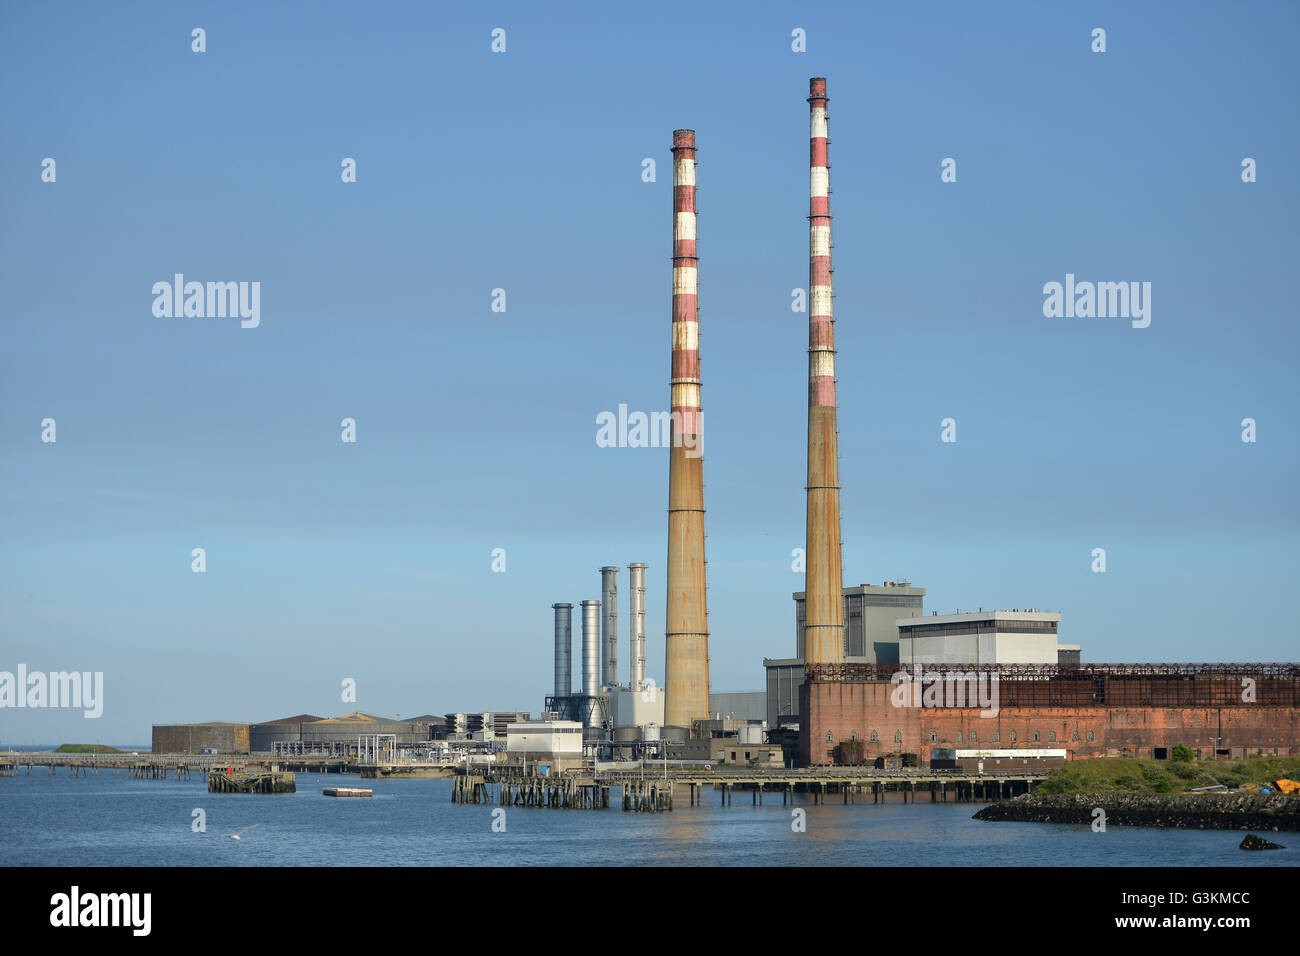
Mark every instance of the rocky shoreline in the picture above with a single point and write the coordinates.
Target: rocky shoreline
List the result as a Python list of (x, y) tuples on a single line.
[(1193, 811)]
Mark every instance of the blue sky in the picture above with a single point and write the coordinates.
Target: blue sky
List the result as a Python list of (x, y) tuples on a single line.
[(476, 429)]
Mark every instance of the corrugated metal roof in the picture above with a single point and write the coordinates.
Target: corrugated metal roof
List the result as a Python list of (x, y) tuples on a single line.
[(357, 718), (300, 719)]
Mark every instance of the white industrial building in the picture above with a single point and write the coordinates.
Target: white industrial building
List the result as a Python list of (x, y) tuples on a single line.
[(556, 743), (636, 708), (984, 637)]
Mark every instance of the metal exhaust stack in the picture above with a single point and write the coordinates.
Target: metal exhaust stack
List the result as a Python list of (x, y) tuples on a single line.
[(609, 626), (590, 648), (636, 626), (563, 649), (824, 610), (686, 670)]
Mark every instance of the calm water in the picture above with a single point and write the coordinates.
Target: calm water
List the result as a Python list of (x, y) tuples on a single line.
[(114, 821)]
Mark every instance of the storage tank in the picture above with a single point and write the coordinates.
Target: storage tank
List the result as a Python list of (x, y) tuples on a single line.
[(676, 735), (750, 734)]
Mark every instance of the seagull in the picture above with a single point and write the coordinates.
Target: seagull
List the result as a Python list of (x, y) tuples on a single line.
[(235, 835)]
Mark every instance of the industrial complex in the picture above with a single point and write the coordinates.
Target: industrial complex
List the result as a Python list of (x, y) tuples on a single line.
[(873, 678)]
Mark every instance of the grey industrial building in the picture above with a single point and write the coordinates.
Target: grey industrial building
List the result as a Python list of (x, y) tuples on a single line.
[(871, 615), (307, 732), (343, 731), (985, 637), (263, 737), (747, 705), (429, 727), (486, 724)]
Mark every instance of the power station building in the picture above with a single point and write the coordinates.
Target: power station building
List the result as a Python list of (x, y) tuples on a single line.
[(606, 707), (871, 631), (852, 645), (1088, 710)]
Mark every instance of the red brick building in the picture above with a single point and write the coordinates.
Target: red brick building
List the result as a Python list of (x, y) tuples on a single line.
[(1093, 710)]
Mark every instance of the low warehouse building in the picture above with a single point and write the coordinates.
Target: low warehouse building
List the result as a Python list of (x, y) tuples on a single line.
[(218, 736), (263, 737), (344, 731)]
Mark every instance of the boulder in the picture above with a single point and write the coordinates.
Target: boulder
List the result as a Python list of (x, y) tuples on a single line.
[(1252, 842)]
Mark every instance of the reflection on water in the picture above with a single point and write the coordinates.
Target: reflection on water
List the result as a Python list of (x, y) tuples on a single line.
[(114, 821)]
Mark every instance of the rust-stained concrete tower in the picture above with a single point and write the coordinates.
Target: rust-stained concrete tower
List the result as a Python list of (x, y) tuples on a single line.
[(824, 621), (686, 671)]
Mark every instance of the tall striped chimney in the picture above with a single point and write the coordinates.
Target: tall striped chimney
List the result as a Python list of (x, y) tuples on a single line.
[(686, 671), (824, 608)]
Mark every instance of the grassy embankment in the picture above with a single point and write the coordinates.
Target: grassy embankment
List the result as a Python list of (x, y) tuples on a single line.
[(1125, 775), (87, 749)]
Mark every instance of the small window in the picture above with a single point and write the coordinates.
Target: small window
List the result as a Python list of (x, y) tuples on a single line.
[(1036, 735), (853, 735), (959, 736), (1051, 735), (1090, 735), (875, 737), (1013, 736), (898, 736), (933, 736), (1074, 736), (829, 736), (972, 737), (997, 736)]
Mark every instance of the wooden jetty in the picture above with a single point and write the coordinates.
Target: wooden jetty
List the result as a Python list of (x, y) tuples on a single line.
[(347, 792), (469, 788), (146, 766), (244, 781), (823, 784), (406, 771), (642, 792)]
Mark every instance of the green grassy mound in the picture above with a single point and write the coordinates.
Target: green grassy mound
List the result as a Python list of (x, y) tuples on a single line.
[(1125, 775)]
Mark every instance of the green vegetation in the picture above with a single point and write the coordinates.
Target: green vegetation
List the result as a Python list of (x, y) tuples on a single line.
[(87, 749), (1126, 775), (1182, 754)]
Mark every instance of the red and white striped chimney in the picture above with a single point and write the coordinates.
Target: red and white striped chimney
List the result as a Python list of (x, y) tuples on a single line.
[(686, 666), (824, 607)]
